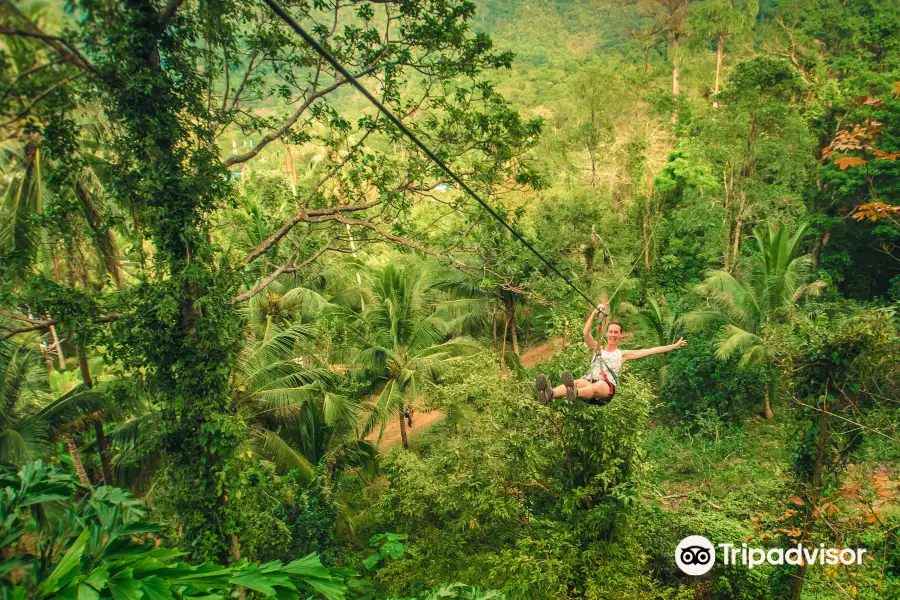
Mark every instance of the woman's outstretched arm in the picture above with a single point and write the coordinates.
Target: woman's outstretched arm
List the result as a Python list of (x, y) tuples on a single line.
[(635, 354)]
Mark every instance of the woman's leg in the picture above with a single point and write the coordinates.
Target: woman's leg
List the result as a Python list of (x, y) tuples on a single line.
[(559, 391), (594, 391)]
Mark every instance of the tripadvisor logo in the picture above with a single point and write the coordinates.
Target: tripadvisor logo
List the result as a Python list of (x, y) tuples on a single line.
[(695, 555)]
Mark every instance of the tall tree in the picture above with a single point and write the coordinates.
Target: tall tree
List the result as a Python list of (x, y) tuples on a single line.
[(719, 21), (745, 307), (665, 21), (172, 79), (402, 338)]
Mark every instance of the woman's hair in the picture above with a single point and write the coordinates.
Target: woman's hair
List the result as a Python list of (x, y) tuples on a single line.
[(611, 323)]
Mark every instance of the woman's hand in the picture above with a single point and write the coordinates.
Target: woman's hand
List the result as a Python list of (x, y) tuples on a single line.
[(681, 343)]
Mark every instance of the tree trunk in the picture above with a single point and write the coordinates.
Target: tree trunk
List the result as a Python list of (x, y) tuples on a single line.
[(98, 422), (59, 350), (675, 84), (646, 220), (646, 245), (767, 406), (512, 328), (720, 56), (76, 460), (291, 171), (822, 242), (503, 345), (511, 320), (403, 429), (725, 220), (736, 249)]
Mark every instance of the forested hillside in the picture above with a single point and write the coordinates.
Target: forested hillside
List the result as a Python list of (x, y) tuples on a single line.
[(255, 342)]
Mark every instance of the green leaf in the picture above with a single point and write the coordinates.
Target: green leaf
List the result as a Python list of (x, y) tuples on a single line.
[(65, 570), (156, 588), (371, 562), (283, 593), (393, 549), (86, 592), (328, 582), (262, 582), (98, 577), (124, 587)]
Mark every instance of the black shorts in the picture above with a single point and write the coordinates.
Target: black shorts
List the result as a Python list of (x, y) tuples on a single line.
[(602, 401)]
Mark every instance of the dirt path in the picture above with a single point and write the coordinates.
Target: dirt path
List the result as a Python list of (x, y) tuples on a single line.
[(542, 353), (422, 420)]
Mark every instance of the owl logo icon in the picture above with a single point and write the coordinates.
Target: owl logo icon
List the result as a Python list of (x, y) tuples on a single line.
[(695, 555)]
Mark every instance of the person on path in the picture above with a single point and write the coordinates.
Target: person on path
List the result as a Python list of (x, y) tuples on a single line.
[(598, 385)]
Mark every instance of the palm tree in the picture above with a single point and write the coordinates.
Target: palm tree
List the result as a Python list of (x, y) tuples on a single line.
[(403, 335), (297, 420), (747, 306), (21, 438), (36, 409), (665, 326)]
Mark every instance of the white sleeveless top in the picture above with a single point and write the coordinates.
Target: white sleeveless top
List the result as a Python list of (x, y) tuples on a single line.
[(610, 362)]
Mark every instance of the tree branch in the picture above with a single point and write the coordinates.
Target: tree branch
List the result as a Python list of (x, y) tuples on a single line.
[(286, 126), (67, 51), (42, 324), (24, 113), (410, 244), (297, 218)]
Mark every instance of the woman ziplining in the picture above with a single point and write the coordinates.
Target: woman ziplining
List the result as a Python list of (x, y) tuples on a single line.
[(598, 385)]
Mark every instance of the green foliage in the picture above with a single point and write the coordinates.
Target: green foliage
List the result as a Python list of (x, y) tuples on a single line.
[(101, 546), (697, 381), (387, 545)]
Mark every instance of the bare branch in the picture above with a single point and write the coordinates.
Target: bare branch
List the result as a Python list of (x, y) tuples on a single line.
[(38, 98), (42, 324), (262, 284), (297, 218), (286, 126), (410, 244), (22, 76)]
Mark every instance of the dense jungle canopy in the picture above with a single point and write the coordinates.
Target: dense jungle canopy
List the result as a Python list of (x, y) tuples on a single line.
[(255, 342)]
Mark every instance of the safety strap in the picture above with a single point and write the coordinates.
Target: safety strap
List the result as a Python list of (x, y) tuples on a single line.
[(606, 367)]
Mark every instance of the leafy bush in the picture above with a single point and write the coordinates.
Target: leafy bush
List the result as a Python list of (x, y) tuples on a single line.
[(698, 382), (59, 540)]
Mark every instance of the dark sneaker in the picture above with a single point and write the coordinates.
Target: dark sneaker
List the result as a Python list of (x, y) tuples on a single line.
[(543, 393), (569, 382)]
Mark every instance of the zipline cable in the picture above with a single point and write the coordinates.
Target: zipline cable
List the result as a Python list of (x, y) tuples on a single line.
[(321, 51)]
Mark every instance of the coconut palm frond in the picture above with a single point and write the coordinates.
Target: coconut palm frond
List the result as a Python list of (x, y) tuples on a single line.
[(735, 340), (340, 410), (426, 333), (701, 319), (736, 301), (79, 404), (283, 403), (373, 360), (305, 302), (272, 447), (135, 431)]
